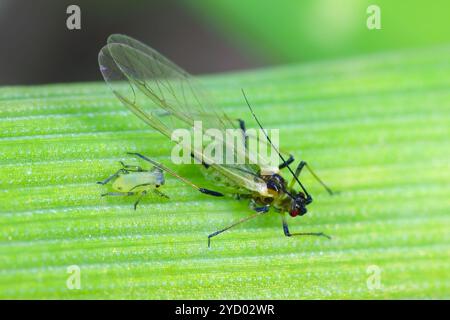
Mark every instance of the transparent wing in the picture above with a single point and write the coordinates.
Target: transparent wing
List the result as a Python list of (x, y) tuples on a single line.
[(168, 98)]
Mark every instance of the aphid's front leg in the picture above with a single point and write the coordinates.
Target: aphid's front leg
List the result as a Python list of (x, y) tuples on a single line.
[(233, 225), (288, 234), (303, 164), (115, 175)]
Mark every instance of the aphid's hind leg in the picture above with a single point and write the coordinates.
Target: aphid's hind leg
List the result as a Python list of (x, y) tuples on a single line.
[(239, 196), (288, 234), (303, 164), (112, 176), (131, 167), (172, 173)]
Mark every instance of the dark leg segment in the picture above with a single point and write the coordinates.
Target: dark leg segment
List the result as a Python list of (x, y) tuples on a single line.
[(203, 163), (288, 234), (231, 226), (262, 209), (242, 126), (303, 164), (287, 162), (259, 211), (161, 194)]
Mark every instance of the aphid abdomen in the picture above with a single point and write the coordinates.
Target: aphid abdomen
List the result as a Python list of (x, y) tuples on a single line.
[(137, 181)]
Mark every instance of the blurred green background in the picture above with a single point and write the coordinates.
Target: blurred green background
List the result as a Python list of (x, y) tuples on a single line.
[(292, 30), (205, 36)]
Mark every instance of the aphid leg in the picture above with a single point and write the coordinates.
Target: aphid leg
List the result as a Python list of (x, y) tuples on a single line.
[(161, 194), (131, 167), (262, 209), (287, 162), (141, 185), (118, 194), (288, 234), (244, 132), (239, 196), (112, 176), (172, 173), (232, 225), (303, 164), (143, 193), (203, 162)]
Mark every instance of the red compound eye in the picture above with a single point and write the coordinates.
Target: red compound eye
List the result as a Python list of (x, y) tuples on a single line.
[(293, 213)]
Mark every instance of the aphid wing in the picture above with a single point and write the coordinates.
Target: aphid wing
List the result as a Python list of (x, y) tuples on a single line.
[(156, 85), (242, 179), (166, 97), (181, 87), (133, 43), (125, 91)]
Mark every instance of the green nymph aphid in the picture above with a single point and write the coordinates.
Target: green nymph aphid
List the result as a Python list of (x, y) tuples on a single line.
[(134, 180)]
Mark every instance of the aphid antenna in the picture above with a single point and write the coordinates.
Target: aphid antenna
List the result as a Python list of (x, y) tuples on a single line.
[(273, 146)]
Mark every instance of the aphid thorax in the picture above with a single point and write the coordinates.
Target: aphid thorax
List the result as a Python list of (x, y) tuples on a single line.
[(138, 181), (285, 199)]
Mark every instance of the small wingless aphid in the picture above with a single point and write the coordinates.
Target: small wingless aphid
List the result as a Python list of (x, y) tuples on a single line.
[(167, 98), (133, 180)]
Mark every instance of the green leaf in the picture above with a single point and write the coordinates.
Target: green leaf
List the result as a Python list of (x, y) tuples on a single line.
[(376, 128)]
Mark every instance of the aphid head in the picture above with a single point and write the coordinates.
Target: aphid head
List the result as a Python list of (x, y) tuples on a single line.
[(298, 204), (158, 175)]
